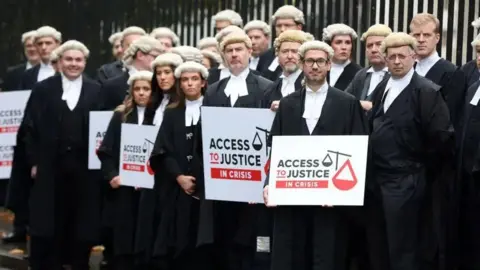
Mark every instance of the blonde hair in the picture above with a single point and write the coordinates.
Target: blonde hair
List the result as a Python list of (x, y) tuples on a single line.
[(424, 18), (129, 103), (396, 40)]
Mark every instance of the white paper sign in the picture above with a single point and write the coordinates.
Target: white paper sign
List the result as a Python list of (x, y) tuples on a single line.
[(97, 128), (318, 170), (136, 145), (6, 158), (12, 107), (235, 152)]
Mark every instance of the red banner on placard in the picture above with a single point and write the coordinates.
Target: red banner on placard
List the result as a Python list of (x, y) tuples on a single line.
[(9, 129), (301, 184), (6, 163), (236, 174), (133, 167)]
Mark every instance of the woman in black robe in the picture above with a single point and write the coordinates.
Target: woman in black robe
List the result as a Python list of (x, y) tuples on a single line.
[(174, 153), (136, 109)]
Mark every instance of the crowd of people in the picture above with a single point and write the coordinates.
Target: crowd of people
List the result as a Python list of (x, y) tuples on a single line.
[(422, 199)]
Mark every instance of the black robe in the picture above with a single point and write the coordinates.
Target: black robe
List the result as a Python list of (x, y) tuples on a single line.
[(29, 78), (411, 140), (233, 224), (346, 77), (275, 91), (125, 201), (265, 61), (469, 173), (361, 83), (13, 78), (109, 71), (472, 72), (42, 143), (114, 91)]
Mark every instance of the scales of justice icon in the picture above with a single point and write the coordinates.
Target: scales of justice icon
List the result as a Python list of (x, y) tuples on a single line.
[(147, 149)]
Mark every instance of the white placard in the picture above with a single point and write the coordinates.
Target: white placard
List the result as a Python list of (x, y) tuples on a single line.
[(97, 128), (318, 170), (235, 152), (136, 146), (6, 158), (12, 107)]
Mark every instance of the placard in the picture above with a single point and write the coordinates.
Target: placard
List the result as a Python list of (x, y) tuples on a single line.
[(235, 152), (98, 125), (318, 170), (136, 146), (12, 108), (6, 159)]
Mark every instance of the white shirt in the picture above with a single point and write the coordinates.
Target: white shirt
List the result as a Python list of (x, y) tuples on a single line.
[(131, 70), (224, 73), (424, 65), (395, 87), (71, 91), (476, 97), (29, 66), (376, 78), (254, 62), (192, 111), (140, 114), (158, 119), (313, 105), (288, 83), (237, 86), (45, 72), (273, 66), (336, 71)]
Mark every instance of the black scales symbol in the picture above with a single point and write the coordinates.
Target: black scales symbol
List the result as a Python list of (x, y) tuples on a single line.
[(258, 146), (147, 147), (327, 161)]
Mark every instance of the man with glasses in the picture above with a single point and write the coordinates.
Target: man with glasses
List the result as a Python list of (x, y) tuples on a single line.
[(308, 237), (411, 133)]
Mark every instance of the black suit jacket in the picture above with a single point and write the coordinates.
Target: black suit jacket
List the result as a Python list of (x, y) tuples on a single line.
[(472, 72), (346, 77), (13, 78), (264, 62), (29, 78), (114, 91), (275, 91), (110, 70), (361, 83)]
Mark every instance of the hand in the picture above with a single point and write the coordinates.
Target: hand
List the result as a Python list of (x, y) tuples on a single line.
[(33, 172), (187, 183), (265, 197), (366, 105), (274, 106), (115, 182)]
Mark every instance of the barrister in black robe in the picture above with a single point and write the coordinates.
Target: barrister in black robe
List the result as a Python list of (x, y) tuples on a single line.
[(13, 77), (176, 158), (411, 135), (64, 198), (110, 70), (259, 32), (114, 90), (472, 68), (125, 205), (235, 241)]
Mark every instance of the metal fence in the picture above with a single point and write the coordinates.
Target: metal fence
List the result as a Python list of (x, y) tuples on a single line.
[(92, 21)]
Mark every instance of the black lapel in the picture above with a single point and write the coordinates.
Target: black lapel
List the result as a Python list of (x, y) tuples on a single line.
[(434, 70), (35, 71), (277, 90), (475, 76), (346, 77), (298, 82), (132, 117), (252, 85), (221, 99), (365, 82), (56, 96), (296, 108), (469, 107)]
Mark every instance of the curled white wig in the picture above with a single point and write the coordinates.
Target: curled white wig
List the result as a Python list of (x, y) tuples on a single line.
[(28, 35), (114, 37), (133, 30), (215, 57), (188, 53), (338, 29), (73, 45), (398, 39), (145, 44), (227, 31), (54, 55), (380, 30), (315, 45), (165, 32), (476, 41), (290, 36), (237, 37), (476, 24), (143, 75), (228, 15), (207, 42), (258, 25), (167, 59), (48, 31), (289, 12), (191, 67)]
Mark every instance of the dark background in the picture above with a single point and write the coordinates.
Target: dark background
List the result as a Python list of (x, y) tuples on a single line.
[(92, 21)]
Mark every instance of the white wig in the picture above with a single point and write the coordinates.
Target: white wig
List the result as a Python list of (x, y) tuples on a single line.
[(133, 30), (28, 35), (315, 45), (143, 75), (228, 15), (114, 37), (237, 37), (191, 67), (476, 24), (207, 42), (188, 53), (48, 31), (379, 30), (338, 29), (215, 57), (227, 31), (290, 36), (258, 25), (289, 12), (396, 40), (165, 32), (167, 59), (476, 41), (144, 44), (73, 45), (54, 55)]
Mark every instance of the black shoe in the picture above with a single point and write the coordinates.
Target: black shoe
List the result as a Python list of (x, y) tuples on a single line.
[(15, 238)]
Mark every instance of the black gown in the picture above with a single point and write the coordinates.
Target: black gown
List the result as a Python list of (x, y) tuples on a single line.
[(264, 63), (13, 78), (29, 78), (125, 201), (361, 83), (274, 93), (115, 90), (314, 238), (472, 72), (411, 139), (346, 77), (175, 245), (109, 71)]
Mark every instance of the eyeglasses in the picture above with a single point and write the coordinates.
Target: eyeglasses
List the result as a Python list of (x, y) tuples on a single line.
[(320, 62)]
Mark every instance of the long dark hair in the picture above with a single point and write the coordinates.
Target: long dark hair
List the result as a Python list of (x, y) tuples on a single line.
[(158, 93), (180, 102)]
